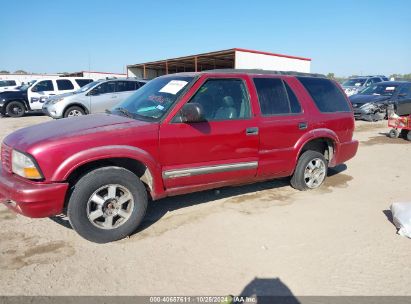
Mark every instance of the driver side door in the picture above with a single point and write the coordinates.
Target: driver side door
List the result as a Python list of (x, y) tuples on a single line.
[(220, 149), (38, 94), (103, 97)]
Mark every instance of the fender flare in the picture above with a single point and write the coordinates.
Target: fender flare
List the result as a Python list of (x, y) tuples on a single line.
[(315, 134), (81, 158)]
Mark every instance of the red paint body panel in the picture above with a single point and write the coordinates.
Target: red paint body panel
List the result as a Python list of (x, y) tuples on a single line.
[(60, 147)]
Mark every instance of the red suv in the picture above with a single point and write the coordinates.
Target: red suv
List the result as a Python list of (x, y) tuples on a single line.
[(179, 133)]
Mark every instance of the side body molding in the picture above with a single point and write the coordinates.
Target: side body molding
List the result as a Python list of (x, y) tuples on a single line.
[(76, 160)]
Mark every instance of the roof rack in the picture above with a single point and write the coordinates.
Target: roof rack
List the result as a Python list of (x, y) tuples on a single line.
[(265, 72)]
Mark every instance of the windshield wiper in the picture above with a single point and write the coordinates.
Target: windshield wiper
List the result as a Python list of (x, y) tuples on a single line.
[(125, 112)]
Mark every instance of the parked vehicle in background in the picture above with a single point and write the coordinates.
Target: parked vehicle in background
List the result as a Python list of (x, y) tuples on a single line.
[(355, 85), (31, 98), (377, 101), (95, 97), (9, 84), (179, 133)]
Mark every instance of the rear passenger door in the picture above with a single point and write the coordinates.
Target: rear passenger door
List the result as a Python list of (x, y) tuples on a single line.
[(282, 124), (64, 86), (125, 89)]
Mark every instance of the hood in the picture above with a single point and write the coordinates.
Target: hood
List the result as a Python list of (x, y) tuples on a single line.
[(7, 95), (363, 99), (63, 131)]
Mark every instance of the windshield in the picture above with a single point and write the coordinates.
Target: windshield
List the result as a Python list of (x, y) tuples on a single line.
[(86, 87), (154, 99), (354, 82), (380, 89)]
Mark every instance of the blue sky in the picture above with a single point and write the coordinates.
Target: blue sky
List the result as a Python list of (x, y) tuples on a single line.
[(345, 37)]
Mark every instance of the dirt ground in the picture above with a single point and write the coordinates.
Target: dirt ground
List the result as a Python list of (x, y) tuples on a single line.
[(266, 238)]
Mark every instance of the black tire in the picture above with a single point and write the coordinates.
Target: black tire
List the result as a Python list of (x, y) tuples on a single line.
[(393, 133), (15, 109), (74, 111), (409, 136), (78, 206), (404, 133), (298, 181)]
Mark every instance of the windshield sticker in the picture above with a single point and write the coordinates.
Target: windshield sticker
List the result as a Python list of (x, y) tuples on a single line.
[(173, 87), (390, 88), (160, 107)]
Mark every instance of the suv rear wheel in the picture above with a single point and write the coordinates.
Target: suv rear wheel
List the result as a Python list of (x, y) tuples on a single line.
[(107, 204), (74, 111), (310, 172), (15, 109)]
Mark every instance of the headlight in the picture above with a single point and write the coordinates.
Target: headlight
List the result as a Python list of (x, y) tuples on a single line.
[(24, 166), (367, 106)]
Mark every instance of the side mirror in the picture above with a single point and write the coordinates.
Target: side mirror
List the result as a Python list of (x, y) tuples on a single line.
[(192, 112), (94, 92)]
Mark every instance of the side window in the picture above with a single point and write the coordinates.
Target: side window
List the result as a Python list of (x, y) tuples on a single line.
[(83, 82), (375, 80), (107, 87), (223, 99), (276, 97), (43, 86), (140, 84), (124, 86), (11, 82), (64, 84), (325, 94), (405, 92)]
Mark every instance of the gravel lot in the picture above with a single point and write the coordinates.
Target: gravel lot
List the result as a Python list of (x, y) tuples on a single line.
[(265, 237)]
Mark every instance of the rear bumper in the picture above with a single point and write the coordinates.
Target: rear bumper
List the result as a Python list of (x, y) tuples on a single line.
[(344, 152), (29, 198)]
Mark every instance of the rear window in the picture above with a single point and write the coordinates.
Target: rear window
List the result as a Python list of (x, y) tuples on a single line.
[(276, 97), (83, 82), (64, 84), (325, 94)]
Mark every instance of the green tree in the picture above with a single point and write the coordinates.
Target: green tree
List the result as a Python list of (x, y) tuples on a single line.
[(20, 72), (331, 75), (4, 72)]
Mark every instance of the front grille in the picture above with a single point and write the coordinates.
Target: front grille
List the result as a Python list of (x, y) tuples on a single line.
[(6, 157)]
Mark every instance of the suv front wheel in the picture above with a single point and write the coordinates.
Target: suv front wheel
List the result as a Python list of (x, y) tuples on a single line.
[(74, 111), (310, 172), (107, 204)]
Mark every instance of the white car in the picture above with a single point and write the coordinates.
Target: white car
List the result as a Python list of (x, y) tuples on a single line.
[(31, 98), (9, 84)]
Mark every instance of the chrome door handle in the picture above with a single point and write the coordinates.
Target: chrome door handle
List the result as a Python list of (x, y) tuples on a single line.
[(251, 131)]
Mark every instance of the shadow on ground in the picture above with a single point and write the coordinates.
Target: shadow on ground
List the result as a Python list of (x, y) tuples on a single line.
[(158, 209), (268, 291)]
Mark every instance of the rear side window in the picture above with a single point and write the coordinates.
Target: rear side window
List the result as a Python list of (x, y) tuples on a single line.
[(83, 82), (325, 94), (140, 84), (11, 82), (124, 86), (64, 84), (276, 97)]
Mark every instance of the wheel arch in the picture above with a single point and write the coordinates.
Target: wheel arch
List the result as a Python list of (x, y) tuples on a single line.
[(76, 104), (134, 159)]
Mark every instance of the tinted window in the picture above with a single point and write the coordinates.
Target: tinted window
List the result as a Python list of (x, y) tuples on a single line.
[(123, 86), (107, 87), (405, 89), (140, 84), (10, 82), (223, 99), (83, 82), (325, 94), (275, 97), (64, 84), (375, 80), (44, 86)]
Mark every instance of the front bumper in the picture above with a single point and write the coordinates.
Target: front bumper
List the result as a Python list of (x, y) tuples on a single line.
[(52, 111), (32, 199)]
